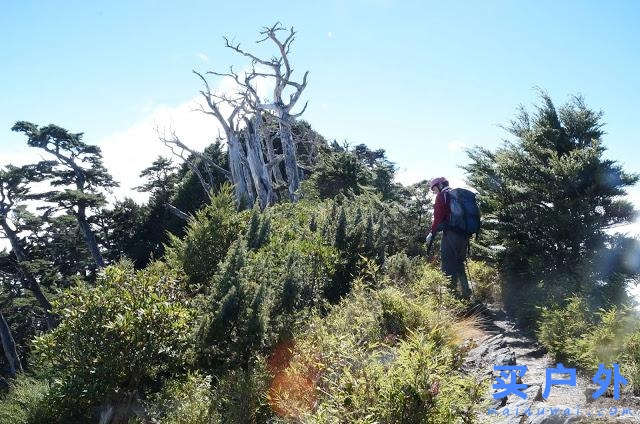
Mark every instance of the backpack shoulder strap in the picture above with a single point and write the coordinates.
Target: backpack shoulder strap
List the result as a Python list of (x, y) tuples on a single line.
[(445, 194)]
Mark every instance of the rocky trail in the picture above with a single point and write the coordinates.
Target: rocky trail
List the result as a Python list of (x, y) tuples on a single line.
[(502, 343)]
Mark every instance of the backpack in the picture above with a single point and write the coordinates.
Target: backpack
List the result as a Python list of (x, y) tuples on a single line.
[(465, 214)]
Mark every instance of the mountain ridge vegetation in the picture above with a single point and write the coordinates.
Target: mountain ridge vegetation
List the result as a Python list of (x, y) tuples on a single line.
[(277, 277)]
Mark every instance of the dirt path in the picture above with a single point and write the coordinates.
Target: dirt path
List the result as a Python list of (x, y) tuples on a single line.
[(503, 343)]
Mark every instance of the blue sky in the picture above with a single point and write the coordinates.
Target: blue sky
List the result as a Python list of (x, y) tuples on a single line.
[(419, 79)]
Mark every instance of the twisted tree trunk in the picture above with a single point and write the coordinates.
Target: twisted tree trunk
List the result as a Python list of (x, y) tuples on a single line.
[(289, 151), (274, 163), (31, 281), (9, 347), (238, 172), (248, 181), (259, 172), (89, 237)]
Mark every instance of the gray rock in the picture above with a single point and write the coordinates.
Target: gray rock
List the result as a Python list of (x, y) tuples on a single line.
[(548, 419), (534, 392), (516, 409), (498, 403), (492, 339), (559, 418), (505, 358)]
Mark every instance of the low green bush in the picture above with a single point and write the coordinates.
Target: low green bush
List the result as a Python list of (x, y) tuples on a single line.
[(402, 314), (400, 269), (561, 327), (241, 396), (578, 338), (238, 397), (234, 323), (423, 385), (485, 281), (433, 284), (604, 342), (117, 341), (631, 361), (186, 400), (357, 229), (259, 296), (382, 356), (25, 402)]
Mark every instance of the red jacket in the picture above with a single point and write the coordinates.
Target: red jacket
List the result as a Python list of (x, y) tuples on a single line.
[(441, 210)]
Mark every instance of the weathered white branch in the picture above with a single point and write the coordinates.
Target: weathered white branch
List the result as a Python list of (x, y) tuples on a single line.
[(174, 140), (177, 212)]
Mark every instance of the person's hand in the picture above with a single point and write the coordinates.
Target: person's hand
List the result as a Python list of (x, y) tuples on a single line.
[(429, 237)]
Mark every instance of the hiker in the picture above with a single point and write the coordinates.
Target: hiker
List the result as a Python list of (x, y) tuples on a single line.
[(455, 242)]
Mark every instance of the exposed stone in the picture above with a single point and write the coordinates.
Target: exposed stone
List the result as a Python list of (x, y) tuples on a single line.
[(558, 418), (505, 358), (520, 409)]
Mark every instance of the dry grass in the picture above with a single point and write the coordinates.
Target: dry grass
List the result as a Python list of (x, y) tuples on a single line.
[(468, 328)]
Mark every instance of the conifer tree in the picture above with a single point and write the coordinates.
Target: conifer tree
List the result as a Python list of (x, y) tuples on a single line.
[(78, 168), (252, 231), (263, 234), (548, 195), (380, 242), (161, 178), (341, 231), (369, 235), (234, 326), (290, 288), (14, 191)]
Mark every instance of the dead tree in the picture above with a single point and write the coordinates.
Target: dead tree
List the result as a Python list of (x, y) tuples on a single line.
[(273, 159), (259, 171), (194, 160), (240, 173), (253, 137), (280, 70)]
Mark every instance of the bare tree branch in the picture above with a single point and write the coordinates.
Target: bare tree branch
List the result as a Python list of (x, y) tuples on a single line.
[(182, 151), (248, 102), (177, 212), (297, 115), (237, 49)]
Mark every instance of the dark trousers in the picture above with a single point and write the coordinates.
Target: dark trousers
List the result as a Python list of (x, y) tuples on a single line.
[(453, 253)]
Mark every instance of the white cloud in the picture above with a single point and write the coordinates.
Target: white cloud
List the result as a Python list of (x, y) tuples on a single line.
[(22, 157), (145, 107), (128, 151), (408, 176), (456, 146), (330, 34), (203, 57)]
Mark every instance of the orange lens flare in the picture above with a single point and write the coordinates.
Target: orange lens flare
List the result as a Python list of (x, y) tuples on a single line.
[(291, 393)]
